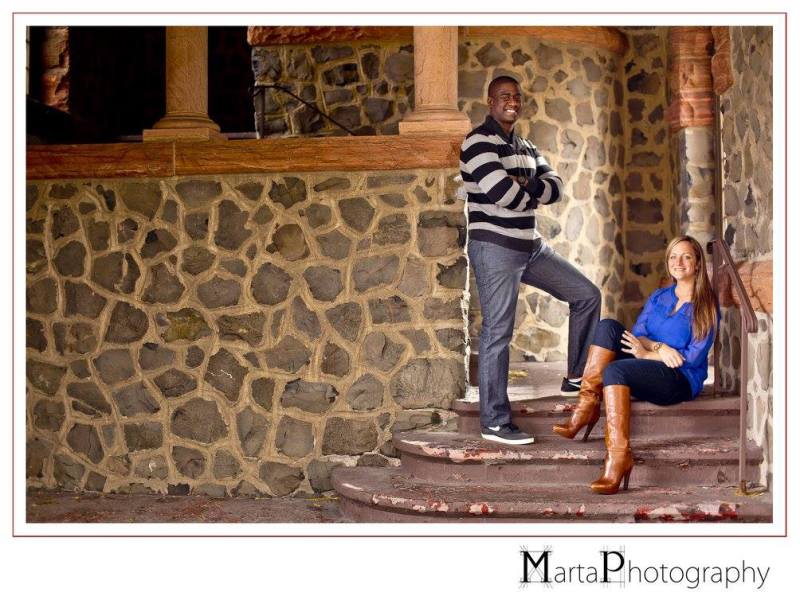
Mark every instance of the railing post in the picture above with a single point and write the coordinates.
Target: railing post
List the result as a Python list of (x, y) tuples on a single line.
[(721, 259), (744, 378), (717, 344)]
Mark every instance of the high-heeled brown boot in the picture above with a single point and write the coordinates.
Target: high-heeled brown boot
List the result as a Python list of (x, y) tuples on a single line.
[(619, 459), (587, 411)]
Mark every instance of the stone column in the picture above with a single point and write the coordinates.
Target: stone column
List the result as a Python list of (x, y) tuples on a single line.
[(53, 64), (187, 89), (691, 121), (435, 84)]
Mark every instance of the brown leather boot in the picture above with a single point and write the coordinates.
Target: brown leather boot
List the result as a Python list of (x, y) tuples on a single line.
[(587, 411), (619, 459)]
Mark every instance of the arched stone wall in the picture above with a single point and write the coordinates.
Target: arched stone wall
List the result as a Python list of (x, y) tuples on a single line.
[(598, 116)]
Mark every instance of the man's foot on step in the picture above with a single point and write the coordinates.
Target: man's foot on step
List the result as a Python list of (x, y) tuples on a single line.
[(506, 434), (570, 387)]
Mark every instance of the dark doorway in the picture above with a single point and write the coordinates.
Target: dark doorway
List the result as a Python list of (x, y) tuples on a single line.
[(230, 76), (117, 78)]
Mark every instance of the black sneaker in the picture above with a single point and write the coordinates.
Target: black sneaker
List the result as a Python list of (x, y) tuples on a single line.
[(568, 388), (506, 434)]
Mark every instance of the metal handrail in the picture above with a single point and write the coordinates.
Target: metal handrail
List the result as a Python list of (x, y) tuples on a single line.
[(721, 260)]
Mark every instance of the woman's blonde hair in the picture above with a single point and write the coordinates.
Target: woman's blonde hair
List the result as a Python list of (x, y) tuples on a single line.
[(704, 302)]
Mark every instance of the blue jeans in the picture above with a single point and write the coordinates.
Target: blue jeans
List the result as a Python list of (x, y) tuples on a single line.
[(498, 273), (649, 380)]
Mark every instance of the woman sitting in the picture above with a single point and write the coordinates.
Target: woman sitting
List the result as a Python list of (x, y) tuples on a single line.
[(669, 346)]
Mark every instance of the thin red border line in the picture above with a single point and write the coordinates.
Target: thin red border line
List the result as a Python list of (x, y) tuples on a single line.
[(786, 317), (389, 14), (13, 289), (786, 270), (284, 535)]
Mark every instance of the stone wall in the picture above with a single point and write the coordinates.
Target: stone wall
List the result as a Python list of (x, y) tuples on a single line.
[(367, 87), (650, 216), (747, 145), (598, 118), (238, 334), (747, 213)]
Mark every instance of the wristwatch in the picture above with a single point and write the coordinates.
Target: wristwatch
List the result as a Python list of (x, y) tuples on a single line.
[(656, 346)]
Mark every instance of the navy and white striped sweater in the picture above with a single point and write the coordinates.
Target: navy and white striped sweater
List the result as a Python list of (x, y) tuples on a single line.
[(500, 210)]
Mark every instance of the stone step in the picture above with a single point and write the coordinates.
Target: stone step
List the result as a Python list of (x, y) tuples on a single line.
[(381, 495), (705, 415), (453, 457)]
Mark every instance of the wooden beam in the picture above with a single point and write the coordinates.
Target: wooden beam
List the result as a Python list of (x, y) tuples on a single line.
[(362, 153), (278, 36), (78, 161), (606, 38)]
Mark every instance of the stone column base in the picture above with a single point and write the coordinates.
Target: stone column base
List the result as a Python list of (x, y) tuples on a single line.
[(183, 134), (436, 122)]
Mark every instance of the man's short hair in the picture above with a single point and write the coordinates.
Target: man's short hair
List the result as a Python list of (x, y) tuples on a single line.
[(501, 79)]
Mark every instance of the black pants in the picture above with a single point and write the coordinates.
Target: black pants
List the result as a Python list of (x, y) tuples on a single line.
[(649, 380)]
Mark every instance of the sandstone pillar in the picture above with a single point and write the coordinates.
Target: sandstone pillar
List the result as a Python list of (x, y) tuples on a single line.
[(187, 89), (52, 60), (691, 123), (435, 84)]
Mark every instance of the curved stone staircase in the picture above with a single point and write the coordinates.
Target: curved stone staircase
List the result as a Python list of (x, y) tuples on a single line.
[(686, 467)]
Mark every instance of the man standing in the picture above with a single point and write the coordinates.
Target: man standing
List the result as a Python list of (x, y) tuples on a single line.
[(506, 178)]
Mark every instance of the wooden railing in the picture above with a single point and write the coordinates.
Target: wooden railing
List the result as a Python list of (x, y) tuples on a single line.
[(286, 155), (721, 261)]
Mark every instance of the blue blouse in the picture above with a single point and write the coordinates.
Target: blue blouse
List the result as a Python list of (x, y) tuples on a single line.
[(658, 323)]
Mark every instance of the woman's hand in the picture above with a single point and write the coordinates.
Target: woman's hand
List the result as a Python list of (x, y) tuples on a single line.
[(670, 357), (632, 345)]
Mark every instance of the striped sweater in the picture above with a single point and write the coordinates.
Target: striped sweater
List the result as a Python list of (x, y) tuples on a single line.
[(500, 210)]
